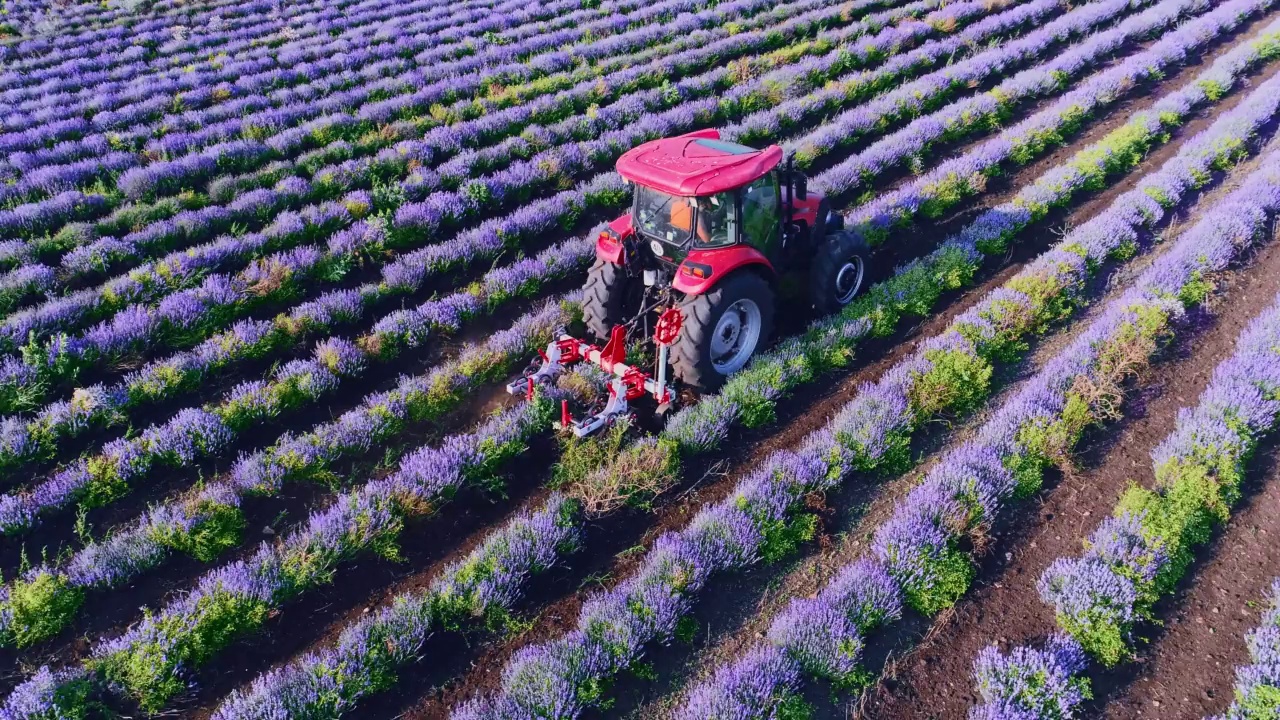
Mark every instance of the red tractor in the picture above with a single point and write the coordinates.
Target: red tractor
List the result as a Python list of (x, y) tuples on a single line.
[(713, 227)]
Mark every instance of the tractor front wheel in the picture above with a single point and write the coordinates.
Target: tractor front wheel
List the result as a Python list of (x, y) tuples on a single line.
[(839, 267), (723, 329), (602, 298)]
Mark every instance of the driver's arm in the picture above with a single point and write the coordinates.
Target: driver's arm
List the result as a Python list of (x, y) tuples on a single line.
[(704, 226)]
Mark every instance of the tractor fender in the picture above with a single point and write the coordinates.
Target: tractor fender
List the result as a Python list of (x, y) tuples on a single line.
[(702, 269), (611, 242)]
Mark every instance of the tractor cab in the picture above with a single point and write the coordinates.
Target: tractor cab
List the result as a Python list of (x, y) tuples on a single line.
[(696, 195), (695, 263)]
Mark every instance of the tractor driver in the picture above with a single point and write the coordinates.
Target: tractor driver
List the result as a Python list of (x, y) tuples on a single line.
[(712, 218)]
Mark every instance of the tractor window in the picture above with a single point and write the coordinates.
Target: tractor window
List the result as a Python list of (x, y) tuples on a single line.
[(715, 221), (710, 221), (760, 214), (664, 216)]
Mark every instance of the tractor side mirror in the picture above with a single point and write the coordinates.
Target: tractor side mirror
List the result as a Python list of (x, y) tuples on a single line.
[(802, 186)]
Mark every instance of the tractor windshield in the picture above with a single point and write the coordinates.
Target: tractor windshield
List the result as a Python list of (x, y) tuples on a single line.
[(675, 219)]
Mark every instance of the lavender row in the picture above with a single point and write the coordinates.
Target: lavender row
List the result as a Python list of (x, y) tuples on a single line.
[(184, 317), (263, 121), (117, 106), (40, 212), (1139, 554), (210, 219), (909, 100), (958, 178), (270, 132), (413, 264), (312, 42), (92, 256), (920, 553), (914, 289), (184, 269), (976, 113), (345, 118), (242, 132), (1257, 687), (58, 54), (438, 142), (104, 406), (929, 577), (548, 168), (358, 24), (483, 588), (42, 71), (306, 679), (1041, 292), (194, 433), (300, 685), (887, 43), (237, 598)]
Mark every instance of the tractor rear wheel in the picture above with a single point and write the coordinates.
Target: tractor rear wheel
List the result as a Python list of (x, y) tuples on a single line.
[(723, 329), (603, 296), (838, 269)]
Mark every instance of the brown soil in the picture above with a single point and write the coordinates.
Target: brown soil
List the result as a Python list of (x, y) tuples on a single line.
[(1189, 669), (934, 680)]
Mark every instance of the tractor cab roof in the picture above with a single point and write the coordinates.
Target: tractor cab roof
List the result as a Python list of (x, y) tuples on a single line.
[(699, 163)]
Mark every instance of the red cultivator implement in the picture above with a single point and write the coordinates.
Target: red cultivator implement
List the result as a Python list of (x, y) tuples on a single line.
[(628, 383)]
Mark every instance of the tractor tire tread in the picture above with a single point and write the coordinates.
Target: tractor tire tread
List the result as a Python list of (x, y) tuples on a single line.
[(602, 298), (689, 363), (826, 266)]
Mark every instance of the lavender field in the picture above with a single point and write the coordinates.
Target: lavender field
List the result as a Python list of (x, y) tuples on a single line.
[(266, 269)]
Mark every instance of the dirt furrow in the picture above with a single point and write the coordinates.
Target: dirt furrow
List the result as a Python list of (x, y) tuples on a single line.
[(934, 680), (1188, 670)]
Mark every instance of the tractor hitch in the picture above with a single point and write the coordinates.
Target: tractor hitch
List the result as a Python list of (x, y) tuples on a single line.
[(628, 383)]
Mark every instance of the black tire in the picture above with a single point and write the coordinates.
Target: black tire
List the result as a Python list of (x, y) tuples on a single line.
[(603, 296), (828, 290), (691, 361)]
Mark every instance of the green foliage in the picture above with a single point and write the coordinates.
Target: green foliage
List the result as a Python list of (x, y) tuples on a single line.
[(686, 629), (579, 457), (1042, 444), (105, 483), (220, 530), (40, 608), (1196, 290), (783, 537), (793, 706), (1263, 703), (957, 383), (1051, 300), (146, 670), (1099, 634), (945, 578), (913, 292), (637, 475), (948, 192)]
